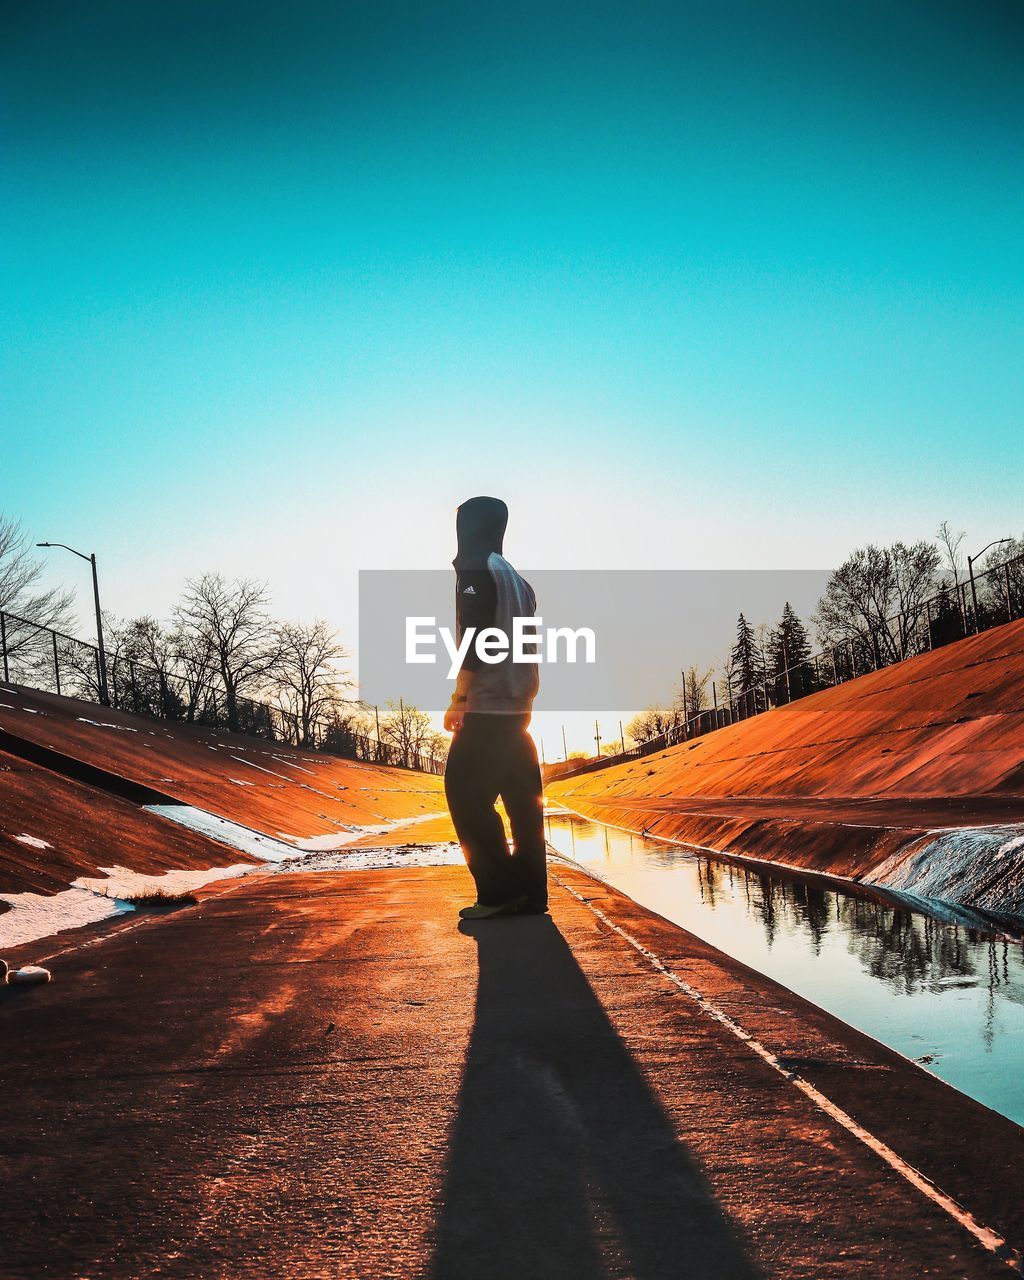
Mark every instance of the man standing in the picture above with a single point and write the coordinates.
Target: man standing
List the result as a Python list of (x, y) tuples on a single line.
[(492, 754)]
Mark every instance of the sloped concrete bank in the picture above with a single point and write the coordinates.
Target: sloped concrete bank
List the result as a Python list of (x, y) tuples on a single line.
[(981, 867), (94, 811), (911, 778)]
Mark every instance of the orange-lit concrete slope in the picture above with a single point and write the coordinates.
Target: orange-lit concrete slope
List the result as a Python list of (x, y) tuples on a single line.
[(53, 830), (862, 780), (272, 788)]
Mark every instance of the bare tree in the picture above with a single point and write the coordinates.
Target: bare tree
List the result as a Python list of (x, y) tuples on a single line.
[(1011, 549), (951, 543), (148, 650), (762, 638), (350, 730), (192, 655), (22, 596), (915, 578), (407, 728), (696, 682), (651, 722), (20, 572), (877, 598), (438, 745), (306, 677), (1004, 590), (232, 620), (356, 717), (726, 683)]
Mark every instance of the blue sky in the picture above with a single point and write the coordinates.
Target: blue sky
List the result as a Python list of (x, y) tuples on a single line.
[(691, 285)]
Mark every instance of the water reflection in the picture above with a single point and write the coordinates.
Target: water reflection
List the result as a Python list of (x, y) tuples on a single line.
[(941, 984)]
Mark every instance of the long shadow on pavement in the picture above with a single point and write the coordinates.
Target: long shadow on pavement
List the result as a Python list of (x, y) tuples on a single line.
[(562, 1161)]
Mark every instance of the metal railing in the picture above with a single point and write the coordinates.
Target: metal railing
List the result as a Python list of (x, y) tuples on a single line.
[(957, 610), (41, 658)]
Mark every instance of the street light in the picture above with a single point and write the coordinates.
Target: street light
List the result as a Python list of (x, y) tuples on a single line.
[(970, 573), (91, 559)]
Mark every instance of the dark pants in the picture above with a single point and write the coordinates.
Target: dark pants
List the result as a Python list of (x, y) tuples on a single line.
[(492, 756)]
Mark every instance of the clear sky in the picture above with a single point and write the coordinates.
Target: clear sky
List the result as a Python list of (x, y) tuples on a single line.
[(689, 284)]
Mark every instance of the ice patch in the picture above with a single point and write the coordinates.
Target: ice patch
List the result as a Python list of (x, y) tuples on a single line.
[(33, 841), (981, 867), (92, 899), (380, 859), (233, 834), (123, 883), (38, 915)]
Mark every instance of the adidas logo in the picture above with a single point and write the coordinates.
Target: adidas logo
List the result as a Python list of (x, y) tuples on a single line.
[(470, 591)]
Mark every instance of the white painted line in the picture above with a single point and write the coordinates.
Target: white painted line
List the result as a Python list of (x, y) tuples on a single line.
[(292, 765), (985, 1236), (285, 778), (102, 937)]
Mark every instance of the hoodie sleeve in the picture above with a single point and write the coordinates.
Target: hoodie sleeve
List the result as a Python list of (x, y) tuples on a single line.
[(476, 602)]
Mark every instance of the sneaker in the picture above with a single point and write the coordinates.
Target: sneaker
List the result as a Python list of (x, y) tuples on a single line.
[(534, 909), (478, 911)]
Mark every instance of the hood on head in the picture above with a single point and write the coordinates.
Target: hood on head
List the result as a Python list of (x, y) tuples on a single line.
[(480, 528)]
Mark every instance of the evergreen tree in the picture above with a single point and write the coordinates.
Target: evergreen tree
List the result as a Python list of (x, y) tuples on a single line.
[(748, 668), (789, 646), (946, 623)]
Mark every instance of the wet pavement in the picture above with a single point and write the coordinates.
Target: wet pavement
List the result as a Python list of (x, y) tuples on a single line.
[(323, 1074)]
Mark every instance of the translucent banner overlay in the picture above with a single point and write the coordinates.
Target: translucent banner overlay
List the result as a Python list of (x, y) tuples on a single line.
[(647, 626)]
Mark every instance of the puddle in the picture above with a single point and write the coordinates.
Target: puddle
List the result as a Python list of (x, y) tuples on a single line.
[(935, 983)]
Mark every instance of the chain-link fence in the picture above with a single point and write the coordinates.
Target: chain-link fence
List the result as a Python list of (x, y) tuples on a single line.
[(959, 609), (44, 659)]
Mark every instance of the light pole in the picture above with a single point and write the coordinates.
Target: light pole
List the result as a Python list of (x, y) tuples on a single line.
[(91, 559), (970, 573)]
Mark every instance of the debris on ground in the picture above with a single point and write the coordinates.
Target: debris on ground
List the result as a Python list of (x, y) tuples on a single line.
[(28, 973)]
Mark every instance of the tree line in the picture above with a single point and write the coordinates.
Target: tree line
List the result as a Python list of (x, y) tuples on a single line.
[(882, 604), (221, 658)]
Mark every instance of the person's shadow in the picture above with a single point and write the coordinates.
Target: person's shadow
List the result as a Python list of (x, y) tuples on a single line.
[(562, 1162)]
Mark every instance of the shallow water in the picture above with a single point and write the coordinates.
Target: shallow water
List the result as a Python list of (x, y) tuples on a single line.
[(945, 994)]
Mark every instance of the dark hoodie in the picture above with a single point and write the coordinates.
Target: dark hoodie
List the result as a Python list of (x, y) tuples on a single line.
[(480, 525), (488, 593)]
